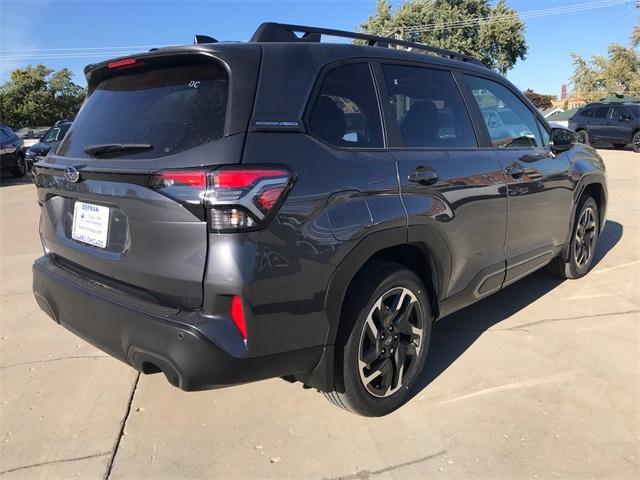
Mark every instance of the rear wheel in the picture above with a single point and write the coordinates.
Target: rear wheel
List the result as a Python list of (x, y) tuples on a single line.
[(383, 340), (619, 145), (636, 142), (20, 169), (582, 137), (584, 239)]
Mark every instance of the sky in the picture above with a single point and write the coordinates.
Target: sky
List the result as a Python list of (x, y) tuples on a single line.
[(34, 28)]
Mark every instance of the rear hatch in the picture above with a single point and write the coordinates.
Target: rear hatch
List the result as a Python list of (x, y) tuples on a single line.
[(181, 109)]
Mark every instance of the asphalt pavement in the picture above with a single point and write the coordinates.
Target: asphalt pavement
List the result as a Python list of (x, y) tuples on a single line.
[(541, 380)]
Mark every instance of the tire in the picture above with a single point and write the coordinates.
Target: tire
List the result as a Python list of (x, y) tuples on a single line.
[(387, 318), (584, 240), (582, 136), (635, 141), (619, 146), (20, 169)]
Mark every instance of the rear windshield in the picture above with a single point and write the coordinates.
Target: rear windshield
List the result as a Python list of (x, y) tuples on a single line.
[(171, 109)]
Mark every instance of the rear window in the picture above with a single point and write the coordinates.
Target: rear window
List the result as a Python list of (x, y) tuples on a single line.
[(345, 113), (172, 109)]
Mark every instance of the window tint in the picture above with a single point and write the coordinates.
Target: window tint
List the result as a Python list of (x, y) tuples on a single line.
[(587, 113), (510, 123), (428, 108), (173, 109), (345, 112), (600, 112)]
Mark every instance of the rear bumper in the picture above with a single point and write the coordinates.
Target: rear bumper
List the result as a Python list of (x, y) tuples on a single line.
[(194, 351)]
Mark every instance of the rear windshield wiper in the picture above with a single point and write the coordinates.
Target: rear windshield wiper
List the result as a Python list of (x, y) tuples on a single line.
[(111, 148)]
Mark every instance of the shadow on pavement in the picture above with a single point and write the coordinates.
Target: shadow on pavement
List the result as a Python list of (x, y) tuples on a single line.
[(9, 180), (453, 335)]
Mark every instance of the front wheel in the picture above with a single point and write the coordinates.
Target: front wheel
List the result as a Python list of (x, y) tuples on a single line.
[(382, 341), (636, 142), (584, 239), (20, 169)]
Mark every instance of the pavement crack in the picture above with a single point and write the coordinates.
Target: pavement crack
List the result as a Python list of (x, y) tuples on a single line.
[(365, 474), (75, 357), (64, 460), (552, 320), (524, 326), (107, 475)]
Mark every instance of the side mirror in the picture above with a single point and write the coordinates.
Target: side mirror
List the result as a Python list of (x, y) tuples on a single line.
[(562, 140)]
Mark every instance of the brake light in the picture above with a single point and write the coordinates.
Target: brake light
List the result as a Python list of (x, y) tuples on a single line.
[(124, 63), (234, 198), (237, 315)]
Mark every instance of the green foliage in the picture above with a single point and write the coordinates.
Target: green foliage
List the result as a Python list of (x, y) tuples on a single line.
[(540, 101), (497, 40), (616, 73), (38, 96)]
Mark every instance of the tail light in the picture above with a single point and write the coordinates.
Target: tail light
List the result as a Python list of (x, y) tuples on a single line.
[(232, 199)]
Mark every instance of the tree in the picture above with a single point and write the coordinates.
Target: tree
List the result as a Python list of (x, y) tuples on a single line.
[(540, 101), (495, 35), (616, 73), (36, 96)]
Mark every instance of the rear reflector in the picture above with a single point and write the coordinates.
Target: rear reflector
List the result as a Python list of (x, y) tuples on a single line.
[(237, 315)]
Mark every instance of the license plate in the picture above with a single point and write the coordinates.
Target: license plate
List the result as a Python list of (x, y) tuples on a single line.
[(90, 224)]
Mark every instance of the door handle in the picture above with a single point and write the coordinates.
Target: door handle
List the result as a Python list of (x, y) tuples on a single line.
[(516, 171), (423, 177)]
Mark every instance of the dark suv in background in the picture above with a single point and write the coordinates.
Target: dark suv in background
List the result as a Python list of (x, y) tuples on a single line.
[(11, 154), (229, 212), (49, 140), (616, 123)]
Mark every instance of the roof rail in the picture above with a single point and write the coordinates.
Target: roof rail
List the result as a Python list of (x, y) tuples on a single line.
[(282, 32)]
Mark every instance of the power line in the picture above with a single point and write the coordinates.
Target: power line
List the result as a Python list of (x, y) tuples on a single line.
[(93, 52), (572, 8)]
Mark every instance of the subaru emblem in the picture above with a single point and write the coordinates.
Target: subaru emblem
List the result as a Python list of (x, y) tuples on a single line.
[(72, 174)]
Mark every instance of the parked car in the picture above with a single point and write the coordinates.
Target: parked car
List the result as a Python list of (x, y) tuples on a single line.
[(230, 212), (616, 123), (11, 154), (31, 135), (49, 140)]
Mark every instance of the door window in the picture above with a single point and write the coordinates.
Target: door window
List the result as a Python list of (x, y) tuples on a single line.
[(345, 112), (600, 112), (428, 108), (509, 121), (4, 137), (618, 113), (545, 134)]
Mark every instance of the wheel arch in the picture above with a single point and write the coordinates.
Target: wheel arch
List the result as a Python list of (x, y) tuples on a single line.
[(594, 185), (388, 245)]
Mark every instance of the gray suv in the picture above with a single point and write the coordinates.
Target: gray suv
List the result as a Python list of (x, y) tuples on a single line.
[(229, 212), (615, 123)]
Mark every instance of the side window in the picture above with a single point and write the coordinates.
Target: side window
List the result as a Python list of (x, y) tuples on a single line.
[(618, 113), (510, 123), (428, 108), (345, 112), (4, 137), (600, 112), (587, 113), (545, 134)]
